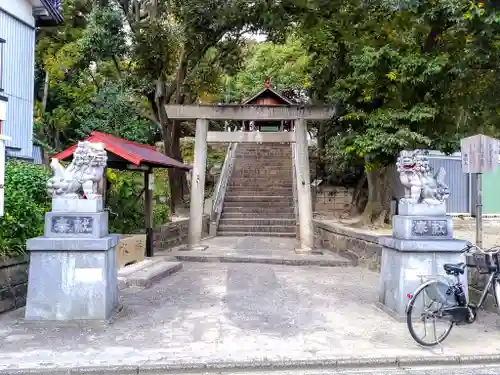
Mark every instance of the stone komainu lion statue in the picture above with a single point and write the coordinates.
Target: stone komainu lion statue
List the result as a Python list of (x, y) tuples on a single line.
[(83, 174), (415, 173)]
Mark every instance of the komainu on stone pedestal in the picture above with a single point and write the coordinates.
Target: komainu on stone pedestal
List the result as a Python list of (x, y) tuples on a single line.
[(82, 176), (415, 173), (422, 234)]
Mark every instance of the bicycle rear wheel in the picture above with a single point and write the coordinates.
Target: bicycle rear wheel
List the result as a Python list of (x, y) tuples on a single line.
[(427, 306)]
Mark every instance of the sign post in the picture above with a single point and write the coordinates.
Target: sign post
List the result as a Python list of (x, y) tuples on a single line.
[(479, 155)]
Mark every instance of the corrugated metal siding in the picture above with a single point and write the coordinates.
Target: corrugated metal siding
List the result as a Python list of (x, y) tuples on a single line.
[(458, 202), (18, 83), (37, 155)]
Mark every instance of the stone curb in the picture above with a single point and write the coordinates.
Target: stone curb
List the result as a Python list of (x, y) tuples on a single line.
[(346, 231), (217, 367), (209, 258)]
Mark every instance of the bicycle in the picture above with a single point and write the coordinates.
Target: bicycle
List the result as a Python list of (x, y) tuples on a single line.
[(454, 309)]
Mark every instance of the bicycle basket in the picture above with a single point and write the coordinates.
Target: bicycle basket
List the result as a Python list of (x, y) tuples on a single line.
[(485, 263)]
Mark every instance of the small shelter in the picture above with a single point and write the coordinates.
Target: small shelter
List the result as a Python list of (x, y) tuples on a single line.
[(269, 97), (128, 155)]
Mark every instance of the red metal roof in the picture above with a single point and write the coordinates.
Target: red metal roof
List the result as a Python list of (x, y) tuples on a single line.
[(135, 153)]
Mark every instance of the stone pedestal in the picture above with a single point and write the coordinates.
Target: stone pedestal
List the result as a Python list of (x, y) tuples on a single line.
[(421, 243), (73, 273)]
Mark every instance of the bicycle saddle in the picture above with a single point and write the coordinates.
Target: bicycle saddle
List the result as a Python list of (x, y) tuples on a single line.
[(455, 268)]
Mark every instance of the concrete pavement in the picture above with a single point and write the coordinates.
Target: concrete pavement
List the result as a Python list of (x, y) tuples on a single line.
[(243, 315), (267, 250)]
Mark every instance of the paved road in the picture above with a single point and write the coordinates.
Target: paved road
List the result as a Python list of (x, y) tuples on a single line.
[(243, 313)]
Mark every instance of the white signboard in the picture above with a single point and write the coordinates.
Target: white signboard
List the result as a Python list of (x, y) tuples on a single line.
[(151, 182), (479, 154)]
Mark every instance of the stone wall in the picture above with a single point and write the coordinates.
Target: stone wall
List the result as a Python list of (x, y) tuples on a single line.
[(332, 200), (13, 283), (361, 247), (174, 233)]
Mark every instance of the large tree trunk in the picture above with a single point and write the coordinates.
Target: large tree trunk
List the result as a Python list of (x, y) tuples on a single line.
[(356, 197), (385, 196), (166, 128), (377, 210), (176, 176), (321, 150)]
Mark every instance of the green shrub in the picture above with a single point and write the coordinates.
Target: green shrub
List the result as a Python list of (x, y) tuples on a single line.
[(26, 202), (126, 205)]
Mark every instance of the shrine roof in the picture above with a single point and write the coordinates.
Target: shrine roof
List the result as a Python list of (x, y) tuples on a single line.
[(268, 92), (126, 152)]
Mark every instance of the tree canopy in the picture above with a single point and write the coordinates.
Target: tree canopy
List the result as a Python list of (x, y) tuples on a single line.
[(401, 73)]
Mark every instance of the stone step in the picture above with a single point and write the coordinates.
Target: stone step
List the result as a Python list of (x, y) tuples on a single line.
[(263, 170), (258, 192), (270, 256), (258, 221), (258, 160), (279, 153), (256, 187), (276, 205), (258, 215), (146, 273), (257, 163), (258, 180), (239, 183), (261, 163), (271, 178), (290, 229), (273, 190), (265, 150), (262, 175), (256, 210), (259, 198), (255, 234)]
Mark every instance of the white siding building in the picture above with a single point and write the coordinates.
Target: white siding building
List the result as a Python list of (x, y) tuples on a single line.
[(19, 20)]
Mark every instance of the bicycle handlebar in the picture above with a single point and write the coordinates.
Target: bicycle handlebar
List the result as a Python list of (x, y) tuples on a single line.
[(492, 250)]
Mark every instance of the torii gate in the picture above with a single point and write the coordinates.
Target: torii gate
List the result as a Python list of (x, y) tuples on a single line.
[(298, 114)]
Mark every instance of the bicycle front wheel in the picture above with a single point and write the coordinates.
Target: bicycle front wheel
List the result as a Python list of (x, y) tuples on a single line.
[(424, 314)]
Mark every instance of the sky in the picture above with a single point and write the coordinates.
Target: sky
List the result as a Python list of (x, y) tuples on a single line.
[(256, 36)]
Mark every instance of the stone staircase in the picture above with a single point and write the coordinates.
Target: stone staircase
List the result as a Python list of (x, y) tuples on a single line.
[(259, 199)]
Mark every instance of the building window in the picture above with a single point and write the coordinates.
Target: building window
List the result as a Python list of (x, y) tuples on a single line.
[(2, 54)]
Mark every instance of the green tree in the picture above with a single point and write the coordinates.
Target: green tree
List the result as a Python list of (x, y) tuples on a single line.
[(78, 86), (400, 77), (175, 48), (287, 65)]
